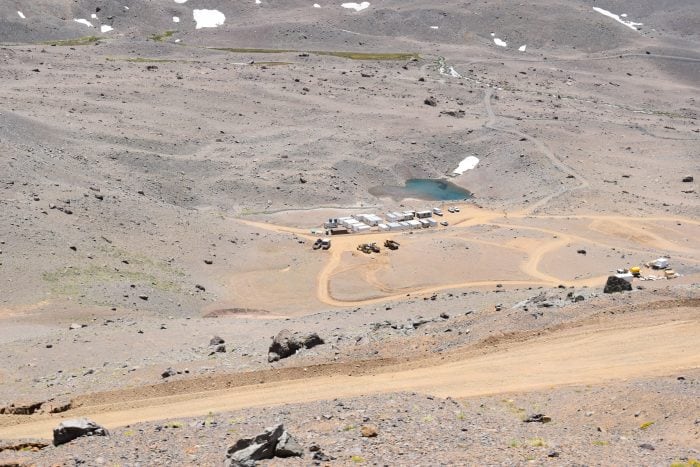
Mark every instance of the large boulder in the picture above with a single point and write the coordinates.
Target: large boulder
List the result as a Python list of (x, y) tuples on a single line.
[(287, 343), (616, 284), (69, 430), (274, 442)]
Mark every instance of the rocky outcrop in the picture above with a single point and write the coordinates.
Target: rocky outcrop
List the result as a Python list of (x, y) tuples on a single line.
[(274, 442), (21, 408), (69, 430), (616, 284), (287, 343)]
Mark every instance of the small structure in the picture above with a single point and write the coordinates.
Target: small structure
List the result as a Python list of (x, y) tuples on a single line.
[(431, 222), (339, 231), (424, 214), (660, 263)]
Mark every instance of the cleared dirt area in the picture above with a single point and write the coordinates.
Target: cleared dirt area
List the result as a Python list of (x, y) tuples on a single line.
[(166, 167)]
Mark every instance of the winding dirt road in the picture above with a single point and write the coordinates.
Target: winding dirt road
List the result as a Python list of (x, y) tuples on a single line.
[(654, 342)]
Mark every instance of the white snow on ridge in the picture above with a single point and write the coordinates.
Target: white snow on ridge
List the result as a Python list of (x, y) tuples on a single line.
[(522, 48), (356, 6), (433, 27), (21, 15), (83, 21), (106, 28), (93, 16), (500, 42), (467, 164), (180, 1), (176, 19), (629, 24), (208, 18)]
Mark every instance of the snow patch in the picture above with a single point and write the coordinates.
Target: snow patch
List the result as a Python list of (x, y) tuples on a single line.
[(93, 16), (356, 6), (176, 19), (433, 27), (208, 18), (258, 2), (106, 28), (500, 42), (83, 21), (467, 164), (522, 48), (629, 24), (180, 1), (21, 15), (316, 5)]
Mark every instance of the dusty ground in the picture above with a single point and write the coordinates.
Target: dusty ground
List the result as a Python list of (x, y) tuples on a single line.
[(160, 184)]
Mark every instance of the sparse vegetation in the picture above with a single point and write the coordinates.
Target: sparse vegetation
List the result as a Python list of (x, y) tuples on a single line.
[(688, 463), (377, 56), (162, 36), (600, 443), (645, 425), (357, 459), (142, 60), (537, 443), (85, 40)]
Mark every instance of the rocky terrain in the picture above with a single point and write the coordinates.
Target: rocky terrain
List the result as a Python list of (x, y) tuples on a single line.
[(165, 167)]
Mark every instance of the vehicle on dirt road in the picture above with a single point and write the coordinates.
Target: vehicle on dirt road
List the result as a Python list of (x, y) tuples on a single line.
[(326, 243), (317, 244), (391, 244)]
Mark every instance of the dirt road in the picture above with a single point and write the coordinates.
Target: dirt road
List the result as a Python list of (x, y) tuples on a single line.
[(652, 342)]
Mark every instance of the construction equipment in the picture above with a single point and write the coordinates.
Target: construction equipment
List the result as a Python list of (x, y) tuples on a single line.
[(317, 244), (368, 248), (635, 270), (391, 244)]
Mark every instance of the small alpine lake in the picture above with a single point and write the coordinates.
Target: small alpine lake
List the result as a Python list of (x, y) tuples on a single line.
[(423, 188)]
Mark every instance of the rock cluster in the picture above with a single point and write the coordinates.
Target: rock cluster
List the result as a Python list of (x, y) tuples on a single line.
[(287, 343), (69, 430), (616, 284), (274, 442)]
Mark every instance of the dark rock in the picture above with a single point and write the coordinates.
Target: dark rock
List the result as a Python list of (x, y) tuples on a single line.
[(143, 297), (647, 446), (581, 252), (216, 340), (23, 445), (168, 373), (687, 179), (69, 430), (246, 452), (321, 456), (200, 287), (21, 408), (430, 101), (444, 315), (453, 113), (208, 261), (287, 446), (553, 454), (287, 343), (221, 348), (538, 418), (616, 284)]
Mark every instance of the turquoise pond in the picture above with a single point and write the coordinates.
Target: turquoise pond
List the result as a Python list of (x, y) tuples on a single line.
[(423, 188)]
